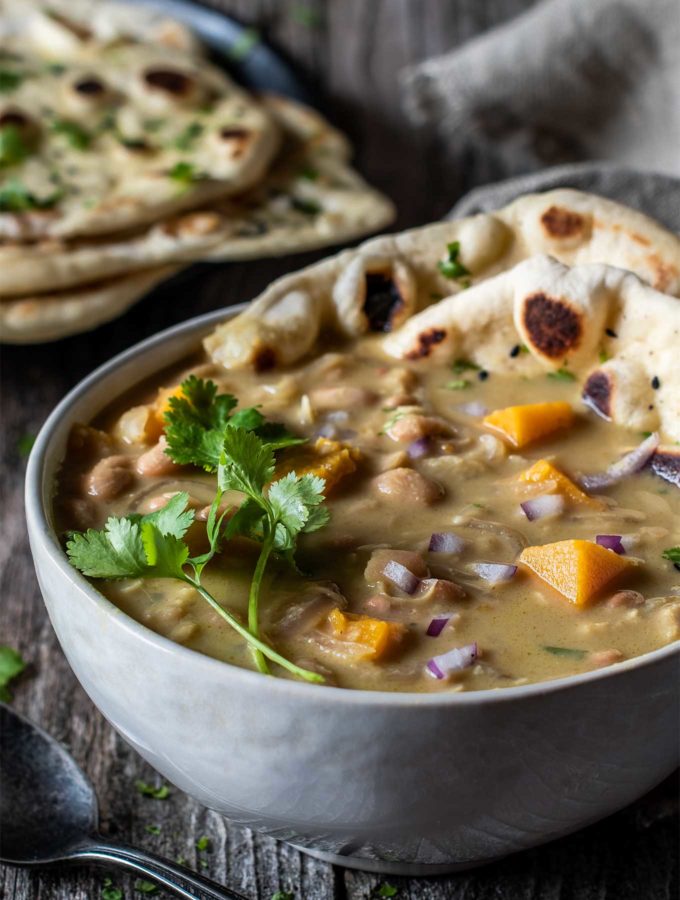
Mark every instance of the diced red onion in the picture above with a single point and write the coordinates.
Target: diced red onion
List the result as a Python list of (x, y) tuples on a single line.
[(494, 573), (401, 576), (628, 465), (437, 625), (419, 448), (453, 661), (545, 505), (474, 408), (445, 542), (611, 542)]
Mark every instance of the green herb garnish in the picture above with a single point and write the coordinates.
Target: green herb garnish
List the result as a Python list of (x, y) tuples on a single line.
[(11, 665), (244, 43), (203, 430), (145, 887), (9, 81), (153, 829), (160, 792), (452, 267), (16, 197), (283, 895), (459, 385), (183, 172), (387, 890), (306, 15), (74, 134), (565, 651), (189, 135), (309, 173), (672, 554), (13, 147), (603, 356), (203, 844), (25, 444), (464, 365), (109, 892), (562, 375)]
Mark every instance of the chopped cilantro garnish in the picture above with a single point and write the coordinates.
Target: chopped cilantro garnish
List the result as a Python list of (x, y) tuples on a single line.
[(459, 385), (188, 135), (11, 665), (309, 173), (452, 267), (183, 172), (672, 554), (308, 207), (603, 356), (143, 886), (562, 375), (283, 895), (152, 829), (565, 651), (13, 147), (464, 365), (160, 792), (244, 43), (396, 415), (9, 81), (201, 430), (25, 444), (387, 890), (203, 844), (74, 134)]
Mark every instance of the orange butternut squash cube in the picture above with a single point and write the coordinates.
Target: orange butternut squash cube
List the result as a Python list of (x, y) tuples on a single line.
[(579, 570), (522, 425), (551, 481), (328, 459), (376, 637), (155, 423)]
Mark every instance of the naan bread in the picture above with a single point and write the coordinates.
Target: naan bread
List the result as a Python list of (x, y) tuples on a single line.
[(310, 198), (48, 317), (574, 316), (102, 135), (381, 283)]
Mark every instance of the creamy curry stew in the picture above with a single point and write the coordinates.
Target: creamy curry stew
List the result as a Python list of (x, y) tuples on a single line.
[(484, 531)]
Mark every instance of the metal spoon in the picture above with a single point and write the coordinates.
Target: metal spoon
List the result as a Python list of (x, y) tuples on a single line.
[(49, 815)]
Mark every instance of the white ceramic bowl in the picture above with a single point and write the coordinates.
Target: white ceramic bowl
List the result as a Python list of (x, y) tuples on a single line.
[(398, 783)]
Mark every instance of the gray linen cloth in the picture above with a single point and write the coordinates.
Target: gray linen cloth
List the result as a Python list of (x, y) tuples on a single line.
[(566, 80)]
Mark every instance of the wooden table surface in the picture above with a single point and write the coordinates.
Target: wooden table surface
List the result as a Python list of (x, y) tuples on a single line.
[(353, 49)]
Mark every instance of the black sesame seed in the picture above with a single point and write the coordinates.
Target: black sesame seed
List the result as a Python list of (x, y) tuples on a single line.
[(610, 332), (656, 384), (483, 375), (515, 351)]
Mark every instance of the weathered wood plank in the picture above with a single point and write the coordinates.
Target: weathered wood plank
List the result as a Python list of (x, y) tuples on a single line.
[(353, 49)]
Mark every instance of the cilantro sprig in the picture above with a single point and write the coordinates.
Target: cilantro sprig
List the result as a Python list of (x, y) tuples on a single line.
[(202, 429), (672, 554), (11, 666), (451, 267)]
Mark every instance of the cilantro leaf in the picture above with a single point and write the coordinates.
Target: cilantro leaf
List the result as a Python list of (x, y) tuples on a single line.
[(115, 552), (11, 665), (565, 651), (16, 197), (75, 135), (452, 267), (189, 135), (562, 375), (166, 555), (155, 792), (145, 887), (387, 890), (672, 554), (464, 365), (203, 844), (246, 464), (184, 172), (293, 500), (9, 81), (174, 518)]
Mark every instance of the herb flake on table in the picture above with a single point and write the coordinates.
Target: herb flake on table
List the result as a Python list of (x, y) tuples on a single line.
[(203, 844), (25, 445), (11, 666), (387, 890), (451, 267), (109, 891), (153, 829), (283, 895), (156, 792), (142, 886)]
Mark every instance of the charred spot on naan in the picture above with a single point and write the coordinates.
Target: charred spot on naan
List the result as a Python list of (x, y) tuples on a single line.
[(553, 326), (666, 464), (597, 393), (426, 341), (264, 358), (235, 140), (382, 302), (560, 222)]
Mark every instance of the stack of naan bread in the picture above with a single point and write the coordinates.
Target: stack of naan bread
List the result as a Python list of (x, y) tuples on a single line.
[(126, 154)]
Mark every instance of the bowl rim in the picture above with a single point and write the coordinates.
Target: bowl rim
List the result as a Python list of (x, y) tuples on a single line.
[(41, 531)]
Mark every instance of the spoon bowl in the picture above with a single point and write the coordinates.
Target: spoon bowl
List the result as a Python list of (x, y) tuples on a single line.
[(49, 814)]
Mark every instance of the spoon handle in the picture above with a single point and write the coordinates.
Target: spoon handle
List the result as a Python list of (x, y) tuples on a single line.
[(178, 879)]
